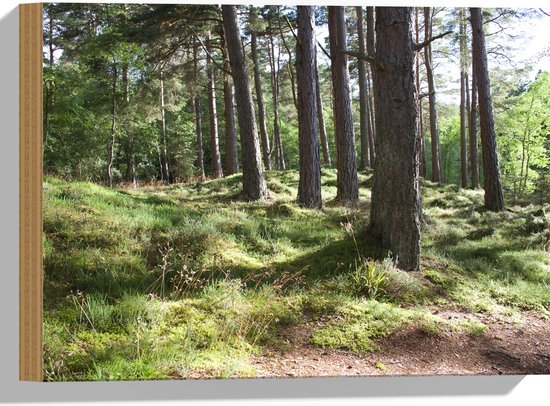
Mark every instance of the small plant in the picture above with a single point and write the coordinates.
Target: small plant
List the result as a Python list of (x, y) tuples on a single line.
[(367, 280)]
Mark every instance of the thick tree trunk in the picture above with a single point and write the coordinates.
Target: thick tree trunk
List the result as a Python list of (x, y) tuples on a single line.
[(396, 207), (217, 171), (112, 138), (494, 199), (363, 93), (347, 187), (165, 171), (321, 118), (434, 126), (264, 138), (309, 187), (231, 150), (254, 185), (474, 165)]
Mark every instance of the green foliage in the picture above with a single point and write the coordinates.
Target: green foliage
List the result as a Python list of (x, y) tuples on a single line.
[(165, 282), (368, 280)]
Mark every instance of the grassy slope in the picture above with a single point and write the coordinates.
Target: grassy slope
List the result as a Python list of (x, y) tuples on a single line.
[(187, 280)]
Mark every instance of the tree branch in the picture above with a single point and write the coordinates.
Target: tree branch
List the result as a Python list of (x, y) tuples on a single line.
[(427, 42), (323, 49), (220, 67), (365, 57)]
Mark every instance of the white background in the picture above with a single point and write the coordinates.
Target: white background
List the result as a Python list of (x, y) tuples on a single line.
[(509, 390)]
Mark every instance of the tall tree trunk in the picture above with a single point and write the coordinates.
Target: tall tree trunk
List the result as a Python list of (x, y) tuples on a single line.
[(163, 140), (264, 138), (463, 116), (396, 207), (290, 63), (309, 187), (463, 98), (321, 118), (112, 139), (254, 185), (474, 165), (198, 115), (278, 145), (434, 126), (370, 96), (231, 153), (420, 120), (231, 150), (363, 93), (217, 171), (347, 187), (371, 50), (494, 199)]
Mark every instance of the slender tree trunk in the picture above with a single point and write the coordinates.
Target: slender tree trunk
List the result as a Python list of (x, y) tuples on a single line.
[(231, 153), (112, 138), (396, 207), (347, 187), (474, 165), (264, 138), (494, 199), (278, 145), (198, 116), (463, 91), (372, 143), (434, 126), (363, 93), (321, 118), (290, 61), (420, 119), (309, 187), (217, 171), (254, 185), (164, 139), (198, 136), (371, 50)]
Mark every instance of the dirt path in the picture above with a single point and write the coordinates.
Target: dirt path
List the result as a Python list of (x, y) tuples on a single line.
[(507, 347)]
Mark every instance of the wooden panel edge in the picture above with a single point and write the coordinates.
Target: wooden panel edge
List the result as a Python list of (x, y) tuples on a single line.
[(30, 193)]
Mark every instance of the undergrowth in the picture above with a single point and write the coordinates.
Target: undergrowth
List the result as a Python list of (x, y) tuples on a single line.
[(164, 282)]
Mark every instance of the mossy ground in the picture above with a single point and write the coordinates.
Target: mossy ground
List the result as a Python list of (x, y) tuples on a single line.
[(165, 282)]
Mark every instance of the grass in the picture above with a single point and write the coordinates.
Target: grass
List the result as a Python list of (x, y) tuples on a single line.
[(164, 282)]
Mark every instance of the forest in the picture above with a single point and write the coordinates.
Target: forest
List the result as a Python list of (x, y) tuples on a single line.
[(288, 191)]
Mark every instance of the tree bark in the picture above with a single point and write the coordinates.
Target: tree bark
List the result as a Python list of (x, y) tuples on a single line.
[(198, 117), (231, 153), (347, 187), (494, 199), (278, 145), (309, 186), (396, 206), (254, 185), (434, 126), (371, 50), (165, 171), (321, 118), (420, 119), (474, 165), (217, 171), (112, 138), (463, 116), (363, 93), (264, 138)]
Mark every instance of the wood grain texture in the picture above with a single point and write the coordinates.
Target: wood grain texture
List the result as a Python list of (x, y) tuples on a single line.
[(30, 192)]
